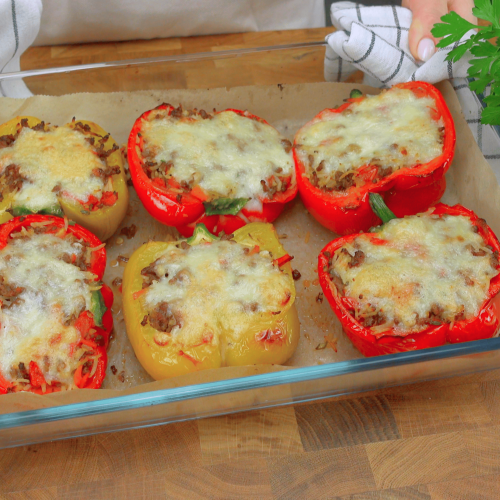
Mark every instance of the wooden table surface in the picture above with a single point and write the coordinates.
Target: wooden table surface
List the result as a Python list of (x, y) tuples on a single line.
[(437, 440)]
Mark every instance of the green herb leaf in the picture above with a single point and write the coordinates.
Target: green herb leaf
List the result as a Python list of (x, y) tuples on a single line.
[(458, 52), (487, 10), (485, 63), (225, 206), (491, 116), (453, 28)]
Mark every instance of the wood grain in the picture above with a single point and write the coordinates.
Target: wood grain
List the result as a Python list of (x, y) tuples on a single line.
[(263, 434), (458, 408), (337, 424), (407, 462), (474, 488), (436, 440), (419, 492), (324, 473), (237, 479), (96, 458), (483, 446)]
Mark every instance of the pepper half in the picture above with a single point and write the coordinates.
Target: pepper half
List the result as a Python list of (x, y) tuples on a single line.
[(482, 326), (185, 210), (102, 221), (260, 338), (407, 191), (94, 325)]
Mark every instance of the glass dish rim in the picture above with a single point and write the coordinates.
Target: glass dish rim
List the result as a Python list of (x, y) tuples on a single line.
[(219, 387), (176, 58)]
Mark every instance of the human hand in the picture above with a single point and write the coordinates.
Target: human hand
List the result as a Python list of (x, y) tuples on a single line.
[(425, 14)]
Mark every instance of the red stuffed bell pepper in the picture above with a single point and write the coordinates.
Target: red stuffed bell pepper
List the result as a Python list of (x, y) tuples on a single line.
[(223, 169), (398, 144), (55, 316), (416, 282)]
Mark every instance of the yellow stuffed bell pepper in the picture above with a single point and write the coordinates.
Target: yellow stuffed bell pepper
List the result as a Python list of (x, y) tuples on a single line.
[(207, 302), (74, 170)]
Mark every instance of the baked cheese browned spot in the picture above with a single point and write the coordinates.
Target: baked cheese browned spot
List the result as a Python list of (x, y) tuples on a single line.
[(431, 270), (42, 294), (391, 131), (226, 154), (209, 288)]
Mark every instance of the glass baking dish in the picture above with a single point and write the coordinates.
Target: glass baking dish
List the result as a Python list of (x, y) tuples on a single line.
[(287, 386)]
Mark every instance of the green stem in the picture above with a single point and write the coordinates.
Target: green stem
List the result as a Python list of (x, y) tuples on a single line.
[(201, 234), (22, 210), (379, 207)]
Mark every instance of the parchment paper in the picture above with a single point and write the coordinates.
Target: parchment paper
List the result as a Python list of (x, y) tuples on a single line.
[(471, 182)]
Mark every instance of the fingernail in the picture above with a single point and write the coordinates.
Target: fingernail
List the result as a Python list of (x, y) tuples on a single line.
[(426, 49)]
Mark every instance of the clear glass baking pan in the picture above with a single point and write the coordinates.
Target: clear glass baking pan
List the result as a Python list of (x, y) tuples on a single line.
[(289, 386)]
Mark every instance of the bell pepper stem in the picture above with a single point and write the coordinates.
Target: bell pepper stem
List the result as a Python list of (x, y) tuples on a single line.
[(379, 207), (201, 234), (53, 210), (355, 93)]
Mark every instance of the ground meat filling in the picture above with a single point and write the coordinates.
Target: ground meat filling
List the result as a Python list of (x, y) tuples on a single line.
[(161, 318), (180, 275), (19, 302), (98, 143), (11, 178), (163, 171), (431, 270), (6, 141), (336, 159), (9, 292)]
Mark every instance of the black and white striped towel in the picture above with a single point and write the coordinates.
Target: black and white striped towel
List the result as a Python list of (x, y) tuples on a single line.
[(19, 25), (375, 40)]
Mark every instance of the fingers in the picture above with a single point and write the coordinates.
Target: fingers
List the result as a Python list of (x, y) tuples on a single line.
[(463, 8), (425, 14)]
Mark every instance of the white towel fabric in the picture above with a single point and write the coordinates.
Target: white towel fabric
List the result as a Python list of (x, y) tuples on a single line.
[(375, 40), (19, 25)]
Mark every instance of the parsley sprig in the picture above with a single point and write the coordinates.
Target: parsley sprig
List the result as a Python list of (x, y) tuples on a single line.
[(485, 63)]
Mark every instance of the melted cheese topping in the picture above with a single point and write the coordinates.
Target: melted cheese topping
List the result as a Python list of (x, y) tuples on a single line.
[(33, 330), (62, 157), (219, 283), (393, 129), (227, 155), (426, 264)]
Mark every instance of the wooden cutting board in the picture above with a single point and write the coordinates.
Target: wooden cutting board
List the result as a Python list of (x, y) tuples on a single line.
[(434, 441)]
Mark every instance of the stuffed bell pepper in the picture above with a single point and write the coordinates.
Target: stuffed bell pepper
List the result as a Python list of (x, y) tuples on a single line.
[(416, 282), (207, 302), (55, 313), (223, 169), (399, 144), (74, 170)]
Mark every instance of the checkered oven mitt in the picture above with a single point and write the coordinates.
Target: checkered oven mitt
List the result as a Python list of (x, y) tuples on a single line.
[(19, 25), (375, 41)]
